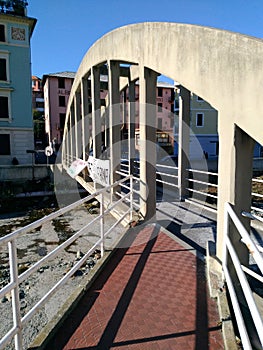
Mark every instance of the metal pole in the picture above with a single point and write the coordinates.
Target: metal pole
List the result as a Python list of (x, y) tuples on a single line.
[(131, 198), (102, 224), (15, 294)]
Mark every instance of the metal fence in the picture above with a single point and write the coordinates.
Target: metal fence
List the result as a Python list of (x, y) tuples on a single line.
[(241, 273), (16, 279)]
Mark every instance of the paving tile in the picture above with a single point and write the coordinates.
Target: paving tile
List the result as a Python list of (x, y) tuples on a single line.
[(152, 295)]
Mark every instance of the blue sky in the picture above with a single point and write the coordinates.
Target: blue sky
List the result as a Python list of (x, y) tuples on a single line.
[(66, 29)]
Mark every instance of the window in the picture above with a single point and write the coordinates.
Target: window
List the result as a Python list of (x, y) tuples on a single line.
[(4, 109), (5, 145), (199, 119), (160, 91), (61, 83), (160, 107), (160, 124), (62, 118), (3, 75), (62, 101), (2, 32)]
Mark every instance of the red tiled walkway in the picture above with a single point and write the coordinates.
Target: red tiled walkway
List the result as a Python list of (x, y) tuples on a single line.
[(150, 296)]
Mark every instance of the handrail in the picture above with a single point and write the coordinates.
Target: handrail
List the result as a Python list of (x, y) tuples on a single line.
[(228, 248), (15, 279)]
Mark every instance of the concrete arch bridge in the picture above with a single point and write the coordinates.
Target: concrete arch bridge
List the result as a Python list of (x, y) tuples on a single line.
[(223, 68)]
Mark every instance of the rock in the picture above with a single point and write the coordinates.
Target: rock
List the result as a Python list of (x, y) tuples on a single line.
[(78, 273), (93, 211), (23, 304), (22, 268), (97, 255), (21, 294), (79, 255)]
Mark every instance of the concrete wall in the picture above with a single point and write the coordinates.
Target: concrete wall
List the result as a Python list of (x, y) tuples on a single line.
[(23, 172)]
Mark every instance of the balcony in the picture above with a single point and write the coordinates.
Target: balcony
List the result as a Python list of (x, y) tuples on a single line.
[(14, 7)]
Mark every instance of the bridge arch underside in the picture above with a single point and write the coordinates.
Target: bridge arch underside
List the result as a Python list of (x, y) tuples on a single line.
[(223, 68)]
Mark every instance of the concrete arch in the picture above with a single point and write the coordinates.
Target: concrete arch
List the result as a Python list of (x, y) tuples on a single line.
[(224, 68)]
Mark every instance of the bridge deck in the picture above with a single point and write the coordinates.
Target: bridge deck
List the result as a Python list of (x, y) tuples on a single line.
[(151, 295)]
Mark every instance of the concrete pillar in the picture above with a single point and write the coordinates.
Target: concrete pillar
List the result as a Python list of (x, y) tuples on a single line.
[(78, 137), (183, 141), (234, 182), (72, 133), (66, 144), (96, 113), (114, 119), (131, 125), (85, 118), (148, 79), (67, 148)]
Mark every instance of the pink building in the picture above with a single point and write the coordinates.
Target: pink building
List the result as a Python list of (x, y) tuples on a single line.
[(164, 105), (57, 88)]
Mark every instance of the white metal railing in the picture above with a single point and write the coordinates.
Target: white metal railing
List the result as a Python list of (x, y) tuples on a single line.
[(162, 173), (12, 287), (204, 185), (204, 192), (241, 271)]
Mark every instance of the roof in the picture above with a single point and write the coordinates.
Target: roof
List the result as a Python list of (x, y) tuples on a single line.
[(66, 74), (12, 17), (164, 84)]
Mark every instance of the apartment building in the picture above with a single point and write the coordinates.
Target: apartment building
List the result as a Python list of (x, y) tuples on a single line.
[(204, 140), (40, 139), (56, 88), (203, 127), (16, 124)]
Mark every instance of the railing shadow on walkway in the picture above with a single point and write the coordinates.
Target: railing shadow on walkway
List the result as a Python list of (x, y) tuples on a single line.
[(107, 339), (177, 226), (71, 323)]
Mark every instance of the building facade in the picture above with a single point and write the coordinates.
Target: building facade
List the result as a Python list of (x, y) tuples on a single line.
[(203, 128), (16, 124), (40, 139), (204, 141), (56, 88)]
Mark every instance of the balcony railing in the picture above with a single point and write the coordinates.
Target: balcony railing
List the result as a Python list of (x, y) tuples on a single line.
[(16, 7)]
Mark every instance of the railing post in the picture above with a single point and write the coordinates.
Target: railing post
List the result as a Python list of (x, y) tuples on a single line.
[(15, 294), (225, 234), (102, 224), (131, 198)]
